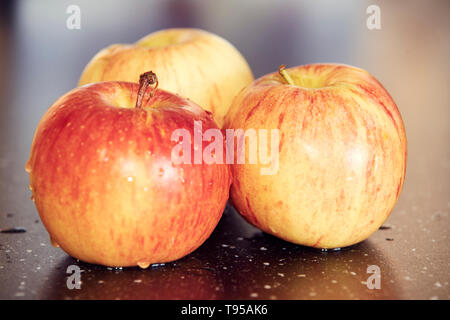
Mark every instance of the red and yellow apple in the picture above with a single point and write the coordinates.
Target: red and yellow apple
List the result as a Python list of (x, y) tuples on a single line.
[(103, 179), (342, 155), (193, 63)]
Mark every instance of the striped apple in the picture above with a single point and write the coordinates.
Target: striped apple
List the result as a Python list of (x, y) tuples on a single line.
[(342, 155), (103, 179), (196, 64)]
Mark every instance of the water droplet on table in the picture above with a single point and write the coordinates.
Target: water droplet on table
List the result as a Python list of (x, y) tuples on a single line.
[(143, 264)]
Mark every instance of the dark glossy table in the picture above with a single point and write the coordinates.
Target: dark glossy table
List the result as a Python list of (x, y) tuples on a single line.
[(40, 60)]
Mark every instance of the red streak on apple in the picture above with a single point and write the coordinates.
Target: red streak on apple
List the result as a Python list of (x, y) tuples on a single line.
[(317, 242), (373, 94)]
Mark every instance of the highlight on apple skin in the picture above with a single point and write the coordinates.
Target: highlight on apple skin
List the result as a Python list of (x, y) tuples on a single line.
[(342, 155), (194, 63), (104, 184)]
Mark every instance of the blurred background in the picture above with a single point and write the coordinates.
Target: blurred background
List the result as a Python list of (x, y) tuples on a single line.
[(41, 59)]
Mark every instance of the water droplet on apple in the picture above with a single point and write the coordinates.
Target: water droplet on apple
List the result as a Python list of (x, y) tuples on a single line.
[(54, 243), (181, 175), (130, 179), (160, 172), (143, 265)]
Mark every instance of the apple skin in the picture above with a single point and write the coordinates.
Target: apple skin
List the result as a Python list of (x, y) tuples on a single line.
[(193, 63), (342, 155), (104, 184)]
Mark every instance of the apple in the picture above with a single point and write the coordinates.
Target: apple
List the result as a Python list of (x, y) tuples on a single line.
[(341, 155), (103, 179), (193, 63)]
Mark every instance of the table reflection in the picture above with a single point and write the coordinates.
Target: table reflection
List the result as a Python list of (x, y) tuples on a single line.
[(236, 262)]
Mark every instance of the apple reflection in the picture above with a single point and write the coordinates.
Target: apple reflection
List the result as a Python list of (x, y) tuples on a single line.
[(188, 281), (238, 262)]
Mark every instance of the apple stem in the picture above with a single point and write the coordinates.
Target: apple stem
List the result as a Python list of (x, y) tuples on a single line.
[(145, 80), (283, 73)]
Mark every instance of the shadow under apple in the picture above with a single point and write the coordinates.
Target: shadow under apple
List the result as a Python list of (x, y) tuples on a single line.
[(237, 262)]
